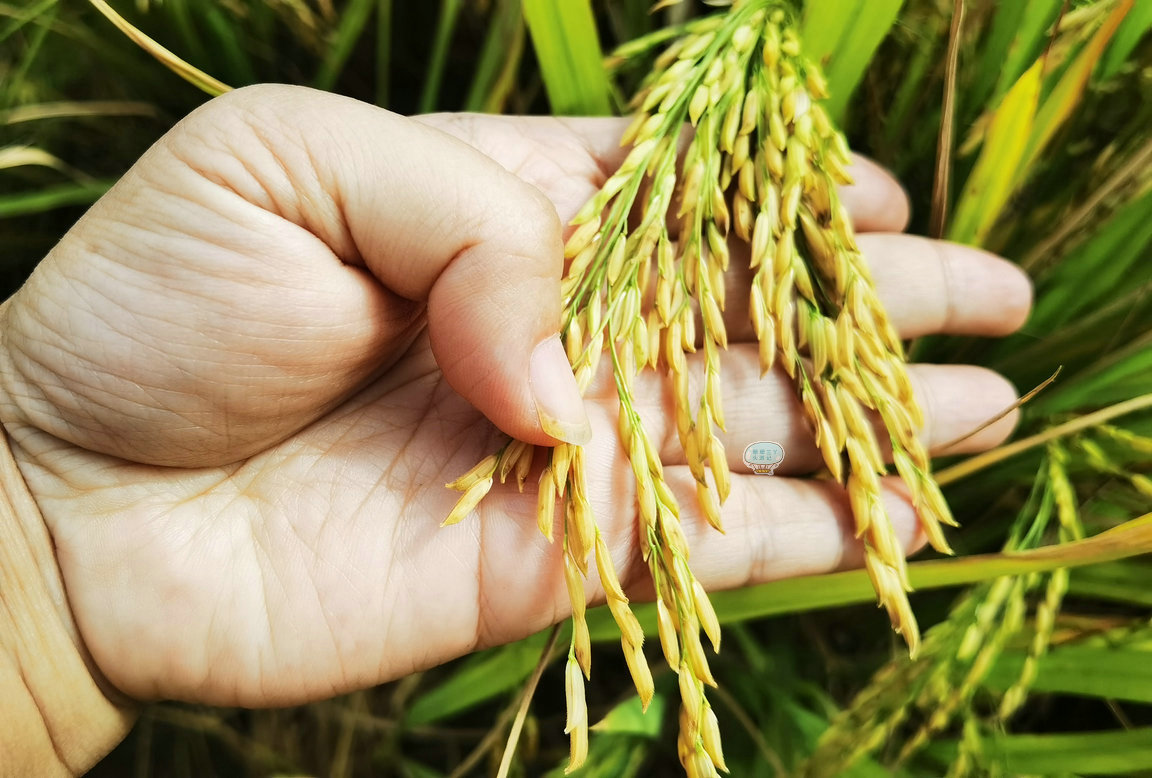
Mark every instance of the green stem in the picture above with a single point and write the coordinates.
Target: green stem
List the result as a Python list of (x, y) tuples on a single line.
[(525, 701), (807, 593), (988, 458), (449, 11)]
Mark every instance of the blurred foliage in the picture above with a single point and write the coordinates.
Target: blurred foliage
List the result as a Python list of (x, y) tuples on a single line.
[(1033, 668)]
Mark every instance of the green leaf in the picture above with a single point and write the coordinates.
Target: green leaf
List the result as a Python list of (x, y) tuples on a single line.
[(24, 156), (1126, 581), (71, 109), (1116, 378), (383, 51), (24, 16), (353, 20), (1135, 27), (191, 40), (1114, 258), (843, 35), (1064, 98), (568, 50), (48, 198), (479, 678), (499, 59), (14, 78), (1083, 753), (230, 48), (990, 183), (1090, 671), (1019, 34), (608, 757), (438, 59), (628, 718)]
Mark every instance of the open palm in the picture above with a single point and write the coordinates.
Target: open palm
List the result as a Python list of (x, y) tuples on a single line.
[(237, 388)]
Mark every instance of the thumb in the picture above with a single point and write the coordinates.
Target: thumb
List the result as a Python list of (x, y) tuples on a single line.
[(433, 219)]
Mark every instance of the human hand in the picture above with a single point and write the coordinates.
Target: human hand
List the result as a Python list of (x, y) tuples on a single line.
[(237, 388)]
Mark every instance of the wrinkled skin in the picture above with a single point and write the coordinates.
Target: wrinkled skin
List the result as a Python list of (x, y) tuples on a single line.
[(222, 390)]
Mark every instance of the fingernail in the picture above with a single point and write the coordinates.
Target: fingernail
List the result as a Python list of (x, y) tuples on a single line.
[(558, 402)]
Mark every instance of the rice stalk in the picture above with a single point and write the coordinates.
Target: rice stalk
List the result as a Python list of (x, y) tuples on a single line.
[(764, 163)]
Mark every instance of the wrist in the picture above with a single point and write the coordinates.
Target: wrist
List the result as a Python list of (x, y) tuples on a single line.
[(58, 716)]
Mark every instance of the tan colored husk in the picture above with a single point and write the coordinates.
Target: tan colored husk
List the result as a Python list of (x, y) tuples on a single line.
[(485, 468), (710, 738), (668, 631), (546, 503), (468, 501), (641, 673)]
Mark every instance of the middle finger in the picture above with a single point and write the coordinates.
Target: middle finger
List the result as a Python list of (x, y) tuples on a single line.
[(927, 287)]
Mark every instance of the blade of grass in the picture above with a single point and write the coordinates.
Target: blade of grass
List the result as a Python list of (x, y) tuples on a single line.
[(903, 116), (1120, 752), (1114, 377), (823, 26), (1064, 98), (1076, 344), (49, 198), (505, 84), (1018, 36), (988, 458), (629, 718), (1088, 278), (764, 751), (1116, 673), (353, 20), (25, 156), (31, 13), (843, 35), (478, 679), (990, 183), (1138, 164), (631, 20), (568, 50), (500, 54), (73, 109), (228, 47), (192, 75), (1003, 30), (1135, 27), (342, 759), (191, 39), (1128, 582), (14, 79), (383, 51), (794, 595), (525, 701), (944, 145), (438, 59)]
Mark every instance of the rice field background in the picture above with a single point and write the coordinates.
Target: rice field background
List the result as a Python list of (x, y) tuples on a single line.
[(1037, 657)]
